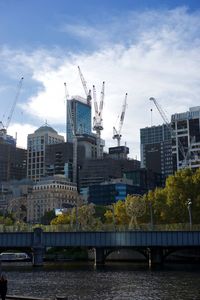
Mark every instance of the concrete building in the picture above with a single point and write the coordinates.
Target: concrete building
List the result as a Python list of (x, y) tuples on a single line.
[(59, 159), (49, 194), (36, 150), (12, 162), (95, 171), (119, 152), (156, 149), (186, 139)]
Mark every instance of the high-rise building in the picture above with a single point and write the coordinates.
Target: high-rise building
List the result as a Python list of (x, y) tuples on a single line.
[(156, 149), (186, 139), (12, 162), (36, 144), (59, 159), (81, 115)]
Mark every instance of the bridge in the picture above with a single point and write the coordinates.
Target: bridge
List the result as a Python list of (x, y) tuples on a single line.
[(155, 245)]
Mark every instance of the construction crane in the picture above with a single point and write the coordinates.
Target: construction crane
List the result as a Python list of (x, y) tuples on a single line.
[(184, 153), (117, 133), (71, 121), (3, 128), (98, 120), (87, 92), (14, 103)]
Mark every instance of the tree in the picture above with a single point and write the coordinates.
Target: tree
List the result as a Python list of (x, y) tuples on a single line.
[(6, 221), (87, 219), (116, 213), (61, 219), (169, 204), (135, 208), (48, 217)]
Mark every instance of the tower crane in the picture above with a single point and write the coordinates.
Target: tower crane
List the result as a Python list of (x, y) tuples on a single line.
[(71, 121), (98, 120), (15, 101), (117, 133), (184, 153), (3, 129), (87, 92)]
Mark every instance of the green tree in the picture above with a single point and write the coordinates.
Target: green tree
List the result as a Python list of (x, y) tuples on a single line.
[(135, 208), (116, 213), (87, 219), (48, 217), (61, 219)]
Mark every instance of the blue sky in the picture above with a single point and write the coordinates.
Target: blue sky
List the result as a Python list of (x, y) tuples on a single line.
[(145, 48)]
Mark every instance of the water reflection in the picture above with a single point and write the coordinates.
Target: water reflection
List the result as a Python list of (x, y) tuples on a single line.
[(113, 281)]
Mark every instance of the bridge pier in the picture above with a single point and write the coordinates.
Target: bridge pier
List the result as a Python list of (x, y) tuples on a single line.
[(38, 248), (155, 257), (38, 256), (99, 257)]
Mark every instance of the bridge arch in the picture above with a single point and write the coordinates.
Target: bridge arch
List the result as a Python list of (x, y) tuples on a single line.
[(129, 253)]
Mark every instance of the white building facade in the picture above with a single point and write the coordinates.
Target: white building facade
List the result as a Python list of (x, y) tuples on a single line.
[(36, 142), (50, 194)]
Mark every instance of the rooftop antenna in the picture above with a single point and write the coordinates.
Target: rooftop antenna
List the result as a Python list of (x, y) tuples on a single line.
[(151, 116)]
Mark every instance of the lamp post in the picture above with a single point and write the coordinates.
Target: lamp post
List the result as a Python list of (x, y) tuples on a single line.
[(189, 204)]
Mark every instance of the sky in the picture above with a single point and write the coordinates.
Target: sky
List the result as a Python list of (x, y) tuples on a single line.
[(146, 48)]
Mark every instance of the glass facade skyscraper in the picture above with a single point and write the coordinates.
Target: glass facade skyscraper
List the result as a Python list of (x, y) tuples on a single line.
[(156, 149), (81, 115)]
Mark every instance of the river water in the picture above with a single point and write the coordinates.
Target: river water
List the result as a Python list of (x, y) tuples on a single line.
[(114, 281)]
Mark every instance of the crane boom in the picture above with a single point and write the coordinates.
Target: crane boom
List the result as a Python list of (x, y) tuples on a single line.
[(117, 133), (101, 100), (173, 133), (87, 92), (95, 101), (19, 86)]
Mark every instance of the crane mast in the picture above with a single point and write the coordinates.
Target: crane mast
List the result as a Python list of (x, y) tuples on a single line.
[(117, 133), (98, 120), (74, 142), (184, 153), (87, 92)]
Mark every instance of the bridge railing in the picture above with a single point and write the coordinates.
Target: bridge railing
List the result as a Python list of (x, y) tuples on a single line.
[(105, 227)]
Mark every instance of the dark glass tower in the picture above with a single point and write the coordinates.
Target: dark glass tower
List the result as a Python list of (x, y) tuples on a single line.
[(81, 115)]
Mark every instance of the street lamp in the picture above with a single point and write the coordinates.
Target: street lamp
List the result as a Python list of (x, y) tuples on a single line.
[(189, 204)]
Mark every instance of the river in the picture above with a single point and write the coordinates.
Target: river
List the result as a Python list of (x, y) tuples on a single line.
[(114, 281)]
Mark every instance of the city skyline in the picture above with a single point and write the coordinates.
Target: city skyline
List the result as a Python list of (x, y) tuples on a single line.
[(144, 49)]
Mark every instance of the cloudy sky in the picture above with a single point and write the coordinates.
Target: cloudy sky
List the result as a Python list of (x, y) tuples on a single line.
[(147, 48)]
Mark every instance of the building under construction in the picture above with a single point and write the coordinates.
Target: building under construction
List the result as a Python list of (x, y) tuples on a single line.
[(186, 139)]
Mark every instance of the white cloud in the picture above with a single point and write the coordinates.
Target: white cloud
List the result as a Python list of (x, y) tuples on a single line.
[(21, 130), (160, 57)]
